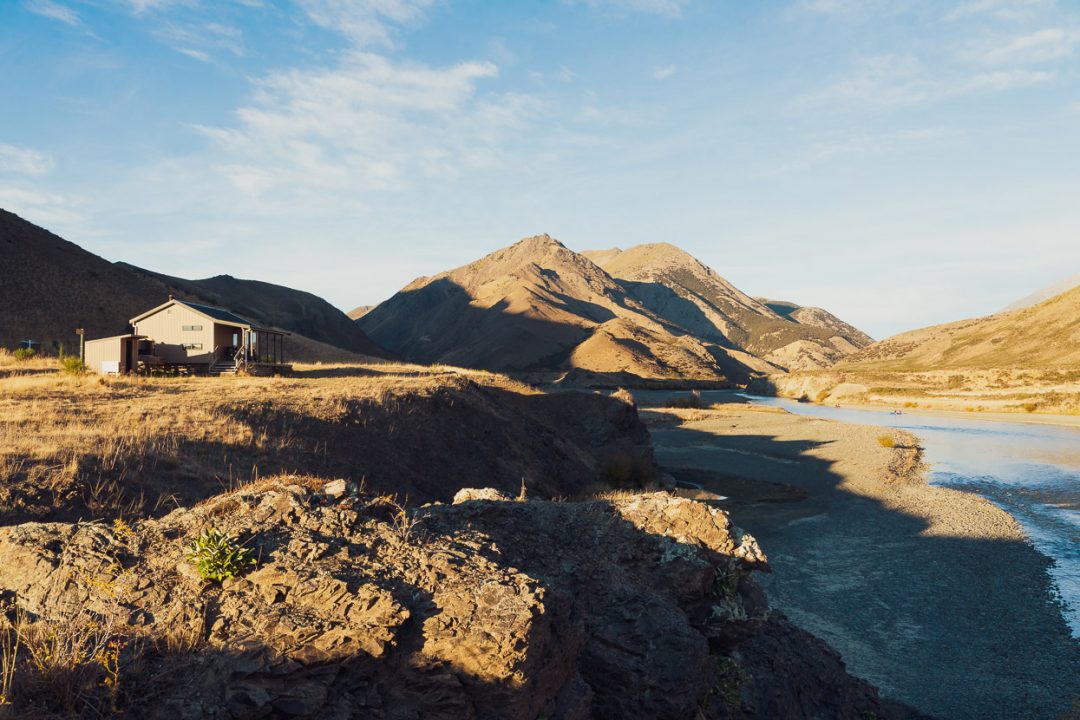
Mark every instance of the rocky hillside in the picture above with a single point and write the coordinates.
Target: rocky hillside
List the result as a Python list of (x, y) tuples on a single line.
[(688, 293), (820, 318), (1046, 335), (537, 306), (630, 607), (49, 287)]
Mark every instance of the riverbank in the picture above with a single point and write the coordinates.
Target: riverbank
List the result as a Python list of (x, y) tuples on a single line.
[(932, 594), (1016, 395)]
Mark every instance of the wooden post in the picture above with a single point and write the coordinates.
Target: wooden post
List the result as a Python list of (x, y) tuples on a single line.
[(81, 332)]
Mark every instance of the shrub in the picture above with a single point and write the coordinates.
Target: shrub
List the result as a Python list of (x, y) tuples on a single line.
[(218, 556), (693, 400), (886, 441), (626, 469), (25, 353), (1030, 406), (73, 366)]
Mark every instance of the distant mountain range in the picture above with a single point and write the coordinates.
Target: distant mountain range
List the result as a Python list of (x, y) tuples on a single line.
[(50, 286), (649, 312)]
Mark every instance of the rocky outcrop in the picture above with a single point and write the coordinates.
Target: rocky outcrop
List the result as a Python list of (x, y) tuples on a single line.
[(635, 606)]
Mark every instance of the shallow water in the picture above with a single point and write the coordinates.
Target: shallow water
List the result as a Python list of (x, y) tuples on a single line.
[(1030, 471)]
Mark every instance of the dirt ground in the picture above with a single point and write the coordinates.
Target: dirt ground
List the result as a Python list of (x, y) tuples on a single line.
[(930, 593)]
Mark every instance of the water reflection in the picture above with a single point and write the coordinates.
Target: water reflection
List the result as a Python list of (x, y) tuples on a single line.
[(1031, 471)]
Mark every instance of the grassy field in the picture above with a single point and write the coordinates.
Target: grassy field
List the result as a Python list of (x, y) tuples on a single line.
[(87, 446)]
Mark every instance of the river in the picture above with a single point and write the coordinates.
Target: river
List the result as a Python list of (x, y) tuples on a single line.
[(1031, 471)]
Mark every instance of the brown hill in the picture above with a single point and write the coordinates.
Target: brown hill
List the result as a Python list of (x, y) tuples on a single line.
[(688, 293), (538, 306), (359, 311), (1046, 335), (50, 286), (821, 318)]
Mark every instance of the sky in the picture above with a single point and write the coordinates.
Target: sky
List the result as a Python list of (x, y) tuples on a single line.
[(898, 162)]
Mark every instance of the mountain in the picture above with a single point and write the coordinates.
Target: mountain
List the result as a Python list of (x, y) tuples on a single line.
[(1044, 335), (537, 305), (359, 311), (1045, 294), (50, 286), (685, 291), (650, 312), (294, 310), (820, 318)]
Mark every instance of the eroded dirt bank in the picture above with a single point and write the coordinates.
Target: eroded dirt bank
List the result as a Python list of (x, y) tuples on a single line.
[(930, 593)]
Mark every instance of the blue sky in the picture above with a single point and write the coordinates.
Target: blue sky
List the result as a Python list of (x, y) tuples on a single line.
[(899, 162)]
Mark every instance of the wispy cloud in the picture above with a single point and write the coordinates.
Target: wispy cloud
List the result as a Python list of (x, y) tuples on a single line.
[(365, 22), (893, 81), (54, 11), (663, 73), (881, 80), (368, 124), (202, 39), (671, 8), (1000, 9), (1000, 81), (23, 161), (1037, 47)]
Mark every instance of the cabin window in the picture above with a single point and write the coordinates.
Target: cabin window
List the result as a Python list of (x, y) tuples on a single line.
[(193, 346), (194, 328)]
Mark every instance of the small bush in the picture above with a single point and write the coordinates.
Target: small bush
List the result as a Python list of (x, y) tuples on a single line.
[(73, 366), (693, 400), (886, 441), (218, 556), (627, 469), (1030, 407), (804, 398), (25, 353)]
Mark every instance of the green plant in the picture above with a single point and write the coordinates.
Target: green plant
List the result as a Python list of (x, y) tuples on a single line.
[(25, 353), (218, 556), (73, 366), (886, 441)]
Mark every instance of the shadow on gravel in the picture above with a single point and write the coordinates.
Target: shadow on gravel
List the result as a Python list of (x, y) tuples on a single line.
[(956, 627)]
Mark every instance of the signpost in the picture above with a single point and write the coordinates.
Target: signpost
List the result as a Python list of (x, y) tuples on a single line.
[(81, 332)]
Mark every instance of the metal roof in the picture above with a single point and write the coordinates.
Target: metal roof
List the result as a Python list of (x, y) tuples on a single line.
[(217, 313)]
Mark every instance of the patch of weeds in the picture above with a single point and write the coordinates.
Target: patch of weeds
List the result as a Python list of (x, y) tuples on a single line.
[(72, 365), (886, 441), (218, 556), (730, 678)]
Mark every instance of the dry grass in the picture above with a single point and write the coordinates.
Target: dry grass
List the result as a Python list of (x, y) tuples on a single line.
[(70, 664), (133, 446)]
